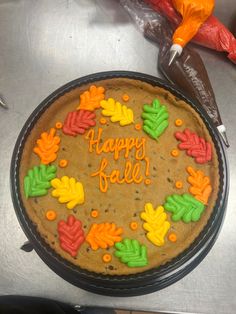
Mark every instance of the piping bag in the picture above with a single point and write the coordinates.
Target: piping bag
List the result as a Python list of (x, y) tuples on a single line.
[(188, 71), (194, 13), (212, 34)]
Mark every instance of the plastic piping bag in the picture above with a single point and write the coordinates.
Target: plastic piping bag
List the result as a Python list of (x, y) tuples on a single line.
[(212, 34), (188, 71)]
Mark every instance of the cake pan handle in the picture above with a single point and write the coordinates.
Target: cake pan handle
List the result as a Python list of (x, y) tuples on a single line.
[(27, 246)]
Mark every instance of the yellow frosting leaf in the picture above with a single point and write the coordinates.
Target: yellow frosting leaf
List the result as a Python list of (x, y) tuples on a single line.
[(117, 112), (68, 190), (156, 224)]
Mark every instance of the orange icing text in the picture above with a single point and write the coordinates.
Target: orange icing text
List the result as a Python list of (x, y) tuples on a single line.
[(116, 145), (133, 172)]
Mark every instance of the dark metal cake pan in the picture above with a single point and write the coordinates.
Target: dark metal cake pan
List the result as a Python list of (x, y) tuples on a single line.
[(141, 283)]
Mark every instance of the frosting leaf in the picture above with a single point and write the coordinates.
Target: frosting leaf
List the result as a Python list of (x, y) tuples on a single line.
[(90, 99), (47, 146), (132, 253), (68, 190), (77, 122), (117, 112), (195, 146), (37, 180), (71, 235), (156, 224), (103, 235), (184, 207), (155, 119), (200, 185)]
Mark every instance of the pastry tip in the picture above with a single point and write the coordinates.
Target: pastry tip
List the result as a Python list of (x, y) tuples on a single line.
[(222, 130), (175, 51)]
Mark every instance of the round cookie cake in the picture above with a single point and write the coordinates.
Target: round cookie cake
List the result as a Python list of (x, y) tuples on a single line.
[(119, 176)]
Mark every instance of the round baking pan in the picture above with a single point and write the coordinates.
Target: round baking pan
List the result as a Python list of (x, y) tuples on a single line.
[(141, 283)]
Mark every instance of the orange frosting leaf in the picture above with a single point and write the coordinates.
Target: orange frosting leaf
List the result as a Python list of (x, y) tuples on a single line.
[(47, 146), (90, 99), (200, 185), (103, 235)]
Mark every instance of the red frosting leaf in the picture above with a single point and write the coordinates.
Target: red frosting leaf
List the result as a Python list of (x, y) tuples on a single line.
[(195, 146), (77, 122), (71, 235)]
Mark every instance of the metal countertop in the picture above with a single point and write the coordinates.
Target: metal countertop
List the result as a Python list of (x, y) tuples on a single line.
[(43, 45)]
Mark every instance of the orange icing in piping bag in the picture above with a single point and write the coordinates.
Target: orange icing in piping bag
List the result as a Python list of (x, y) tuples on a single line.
[(194, 13)]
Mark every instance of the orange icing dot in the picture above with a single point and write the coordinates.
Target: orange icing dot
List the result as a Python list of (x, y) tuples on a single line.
[(51, 215), (172, 237), (103, 121), (106, 258), (147, 181), (125, 97), (133, 225), (178, 122), (63, 163), (175, 153), (138, 126), (178, 184), (94, 213), (58, 125)]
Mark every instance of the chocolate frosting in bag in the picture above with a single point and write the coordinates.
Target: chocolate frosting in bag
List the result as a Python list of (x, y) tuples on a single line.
[(187, 71)]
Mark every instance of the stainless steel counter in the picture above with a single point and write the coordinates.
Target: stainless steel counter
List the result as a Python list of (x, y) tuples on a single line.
[(46, 43)]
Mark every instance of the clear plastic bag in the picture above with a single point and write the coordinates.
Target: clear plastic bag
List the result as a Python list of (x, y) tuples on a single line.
[(141, 13)]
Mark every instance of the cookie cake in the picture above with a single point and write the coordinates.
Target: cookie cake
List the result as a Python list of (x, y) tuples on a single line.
[(119, 176)]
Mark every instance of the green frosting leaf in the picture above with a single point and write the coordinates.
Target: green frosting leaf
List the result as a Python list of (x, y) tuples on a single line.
[(155, 119), (184, 207), (132, 253), (37, 181)]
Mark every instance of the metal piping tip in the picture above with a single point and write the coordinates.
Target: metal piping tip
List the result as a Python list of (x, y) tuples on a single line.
[(3, 104), (225, 139), (173, 55), (222, 130)]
